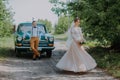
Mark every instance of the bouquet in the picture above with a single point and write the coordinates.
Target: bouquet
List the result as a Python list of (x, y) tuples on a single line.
[(83, 41)]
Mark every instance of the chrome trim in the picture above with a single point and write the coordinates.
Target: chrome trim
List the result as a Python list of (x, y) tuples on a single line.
[(39, 48)]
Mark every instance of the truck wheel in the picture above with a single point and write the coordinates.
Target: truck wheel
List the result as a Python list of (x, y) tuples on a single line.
[(48, 54), (17, 53)]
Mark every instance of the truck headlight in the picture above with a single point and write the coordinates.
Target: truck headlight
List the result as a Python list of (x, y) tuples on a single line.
[(19, 38), (46, 38), (51, 39)]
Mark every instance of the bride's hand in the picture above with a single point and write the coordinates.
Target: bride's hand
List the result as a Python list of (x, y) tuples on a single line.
[(79, 43)]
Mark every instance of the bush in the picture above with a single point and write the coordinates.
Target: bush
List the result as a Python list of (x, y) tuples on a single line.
[(107, 60)]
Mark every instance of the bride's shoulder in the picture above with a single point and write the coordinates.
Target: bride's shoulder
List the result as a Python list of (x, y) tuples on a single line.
[(76, 28), (79, 28)]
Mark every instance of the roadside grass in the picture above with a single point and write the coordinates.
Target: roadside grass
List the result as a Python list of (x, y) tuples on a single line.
[(6, 47), (106, 59), (60, 36)]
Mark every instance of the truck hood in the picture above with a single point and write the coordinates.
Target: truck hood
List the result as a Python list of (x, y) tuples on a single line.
[(27, 35)]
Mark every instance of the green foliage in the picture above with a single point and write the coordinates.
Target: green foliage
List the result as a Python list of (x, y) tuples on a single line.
[(5, 19), (106, 59), (47, 23), (100, 19), (62, 25), (7, 47), (59, 7)]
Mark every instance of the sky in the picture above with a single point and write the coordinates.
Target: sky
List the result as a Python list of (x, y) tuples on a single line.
[(25, 10)]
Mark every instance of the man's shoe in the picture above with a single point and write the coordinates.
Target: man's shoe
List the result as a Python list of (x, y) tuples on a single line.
[(34, 59)]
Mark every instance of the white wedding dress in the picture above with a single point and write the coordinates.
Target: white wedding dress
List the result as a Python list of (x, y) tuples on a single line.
[(76, 59)]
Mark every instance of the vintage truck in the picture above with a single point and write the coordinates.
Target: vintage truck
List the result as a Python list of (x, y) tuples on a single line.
[(23, 36)]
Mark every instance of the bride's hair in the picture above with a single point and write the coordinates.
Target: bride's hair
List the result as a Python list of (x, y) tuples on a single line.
[(76, 19)]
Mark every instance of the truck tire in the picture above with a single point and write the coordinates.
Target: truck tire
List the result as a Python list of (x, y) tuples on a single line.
[(48, 54), (17, 53)]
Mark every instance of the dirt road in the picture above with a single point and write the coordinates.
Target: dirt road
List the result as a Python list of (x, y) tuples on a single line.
[(24, 68)]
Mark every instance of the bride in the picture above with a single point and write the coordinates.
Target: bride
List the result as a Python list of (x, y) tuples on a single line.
[(76, 59)]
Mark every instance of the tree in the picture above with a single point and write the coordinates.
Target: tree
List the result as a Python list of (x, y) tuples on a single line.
[(62, 25), (100, 19), (5, 19), (59, 7), (47, 23)]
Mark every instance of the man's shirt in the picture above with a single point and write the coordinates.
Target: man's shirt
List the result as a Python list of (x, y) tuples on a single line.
[(34, 32)]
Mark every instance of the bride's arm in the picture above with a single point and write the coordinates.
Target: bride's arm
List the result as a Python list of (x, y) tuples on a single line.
[(82, 38), (76, 35)]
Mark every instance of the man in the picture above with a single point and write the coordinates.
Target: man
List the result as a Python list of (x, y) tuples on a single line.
[(34, 42)]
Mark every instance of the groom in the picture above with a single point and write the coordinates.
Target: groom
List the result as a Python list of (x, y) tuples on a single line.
[(34, 41)]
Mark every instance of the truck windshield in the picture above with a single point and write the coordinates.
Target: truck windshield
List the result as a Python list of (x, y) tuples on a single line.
[(27, 28)]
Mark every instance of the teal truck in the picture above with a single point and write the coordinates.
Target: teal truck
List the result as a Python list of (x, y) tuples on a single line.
[(23, 35)]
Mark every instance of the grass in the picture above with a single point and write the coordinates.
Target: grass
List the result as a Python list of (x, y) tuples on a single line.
[(107, 60), (6, 47), (60, 36)]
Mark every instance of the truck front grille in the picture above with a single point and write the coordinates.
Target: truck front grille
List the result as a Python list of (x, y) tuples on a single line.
[(41, 43)]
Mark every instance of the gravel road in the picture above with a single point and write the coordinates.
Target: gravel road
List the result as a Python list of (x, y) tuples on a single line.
[(24, 68)]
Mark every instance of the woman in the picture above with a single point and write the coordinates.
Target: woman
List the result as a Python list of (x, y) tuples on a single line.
[(76, 59)]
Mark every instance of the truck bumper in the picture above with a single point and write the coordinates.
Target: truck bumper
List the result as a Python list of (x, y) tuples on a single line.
[(29, 48)]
